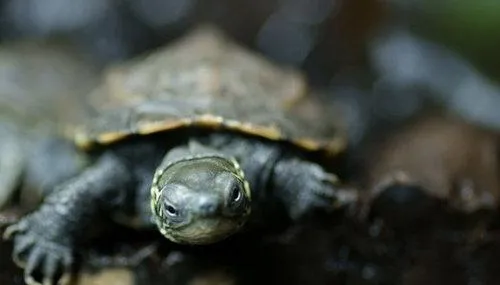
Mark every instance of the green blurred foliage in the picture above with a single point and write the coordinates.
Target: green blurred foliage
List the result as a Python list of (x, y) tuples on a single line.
[(472, 28)]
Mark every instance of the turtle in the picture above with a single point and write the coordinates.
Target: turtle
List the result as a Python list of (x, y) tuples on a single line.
[(199, 140)]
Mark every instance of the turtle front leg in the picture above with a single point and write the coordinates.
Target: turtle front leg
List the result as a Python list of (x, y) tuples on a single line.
[(303, 187), (46, 240)]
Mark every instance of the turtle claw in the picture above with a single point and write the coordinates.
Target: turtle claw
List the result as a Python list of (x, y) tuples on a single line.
[(11, 230), (46, 264), (323, 192), (53, 270), (44, 261), (325, 185), (21, 249), (329, 189), (330, 178), (34, 262)]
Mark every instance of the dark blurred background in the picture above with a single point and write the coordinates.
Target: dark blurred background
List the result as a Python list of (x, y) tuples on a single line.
[(381, 58)]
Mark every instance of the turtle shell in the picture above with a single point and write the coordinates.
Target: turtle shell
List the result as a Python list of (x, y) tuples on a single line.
[(206, 80)]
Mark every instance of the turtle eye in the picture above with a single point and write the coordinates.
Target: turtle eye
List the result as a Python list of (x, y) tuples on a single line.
[(171, 211), (235, 195)]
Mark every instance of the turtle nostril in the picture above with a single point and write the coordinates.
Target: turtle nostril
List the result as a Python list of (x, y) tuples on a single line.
[(207, 206)]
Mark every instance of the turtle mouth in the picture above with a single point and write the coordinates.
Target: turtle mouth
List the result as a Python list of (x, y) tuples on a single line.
[(202, 231)]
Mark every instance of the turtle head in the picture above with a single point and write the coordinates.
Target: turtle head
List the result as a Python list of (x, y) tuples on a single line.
[(200, 200)]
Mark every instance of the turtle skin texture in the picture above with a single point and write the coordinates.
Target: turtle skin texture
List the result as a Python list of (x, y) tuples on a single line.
[(198, 141)]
